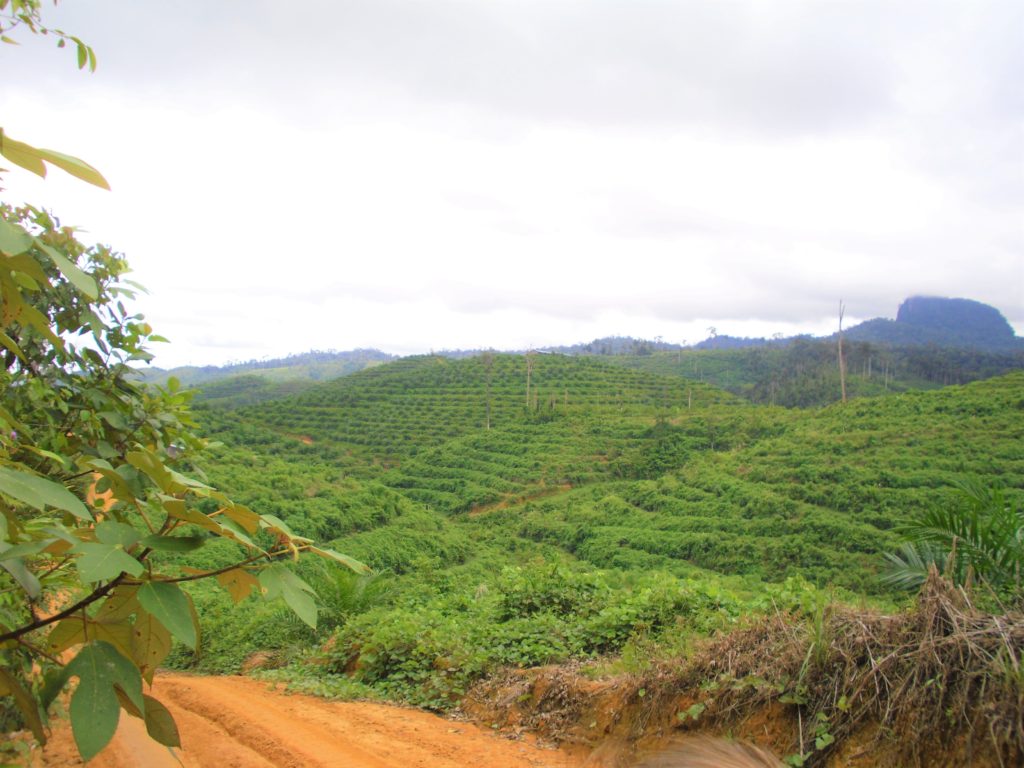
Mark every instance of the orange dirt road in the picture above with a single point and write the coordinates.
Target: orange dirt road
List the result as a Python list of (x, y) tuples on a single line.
[(238, 722)]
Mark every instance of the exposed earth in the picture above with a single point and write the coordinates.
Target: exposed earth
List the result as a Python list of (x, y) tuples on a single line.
[(238, 722)]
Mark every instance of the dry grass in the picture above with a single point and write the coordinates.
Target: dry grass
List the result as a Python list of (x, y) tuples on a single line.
[(941, 684), (941, 679)]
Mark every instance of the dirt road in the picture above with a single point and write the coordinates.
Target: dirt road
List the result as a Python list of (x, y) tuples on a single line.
[(237, 722)]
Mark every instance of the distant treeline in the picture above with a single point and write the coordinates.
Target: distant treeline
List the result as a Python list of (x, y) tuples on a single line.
[(804, 372)]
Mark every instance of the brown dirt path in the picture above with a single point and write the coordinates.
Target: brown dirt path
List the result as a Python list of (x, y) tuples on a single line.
[(237, 722)]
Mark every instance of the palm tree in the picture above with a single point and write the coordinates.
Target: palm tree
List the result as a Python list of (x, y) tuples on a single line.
[(982, 538)]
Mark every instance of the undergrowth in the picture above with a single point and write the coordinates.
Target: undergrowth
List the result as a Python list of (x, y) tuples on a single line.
[(939, 684), (941, 678)]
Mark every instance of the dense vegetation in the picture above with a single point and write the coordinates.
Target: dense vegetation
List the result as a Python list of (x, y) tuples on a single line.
[(930, 320), (805, 372), (608, 511)]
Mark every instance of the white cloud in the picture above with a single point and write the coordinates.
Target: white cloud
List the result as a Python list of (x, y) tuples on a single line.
[(416, 175)]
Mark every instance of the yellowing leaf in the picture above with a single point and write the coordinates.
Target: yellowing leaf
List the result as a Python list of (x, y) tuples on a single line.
[(75, 630), (151, 642), (244, 516), (238, 583), (31, 159)]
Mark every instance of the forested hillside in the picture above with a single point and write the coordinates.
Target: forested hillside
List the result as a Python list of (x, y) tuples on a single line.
[(804, 372), (307, 366)]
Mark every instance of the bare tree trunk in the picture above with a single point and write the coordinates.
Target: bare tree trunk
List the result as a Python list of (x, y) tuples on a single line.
[(842, 358), (529, 370), (488, 360)]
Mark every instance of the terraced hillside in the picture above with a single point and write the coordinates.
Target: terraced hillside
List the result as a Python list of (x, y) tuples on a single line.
[(626, 469), (629, 516), (817, 494), (398, 409)]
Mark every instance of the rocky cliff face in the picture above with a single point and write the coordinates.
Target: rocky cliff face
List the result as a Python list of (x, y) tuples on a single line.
[(942, 322)]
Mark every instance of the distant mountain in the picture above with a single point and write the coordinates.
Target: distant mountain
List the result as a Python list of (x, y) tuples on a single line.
[(314, 365), (942, 322), (920, 321)]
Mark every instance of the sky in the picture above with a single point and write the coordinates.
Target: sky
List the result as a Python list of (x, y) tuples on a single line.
[(418, 175)]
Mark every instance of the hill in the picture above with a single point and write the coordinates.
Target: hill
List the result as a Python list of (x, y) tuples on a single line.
[(312, 366), (942, 322), (626, 469), (920, 321), (396, 410), (610, 511), (804, 372)]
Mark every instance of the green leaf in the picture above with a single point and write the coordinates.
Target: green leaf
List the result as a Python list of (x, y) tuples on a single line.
[(113, 418), (330, 554), (25, 578), (693, 712), (302, 604), (111, 532), (53, 683), (14, 239), (25, 702), (160, 723), (71, 271), (105, 561), (274, 523), (95, 709), (40, 492), (146, 461), (173, 543), (25, 549), (170, 606), (235, 531), (8, 342), (298, 595)]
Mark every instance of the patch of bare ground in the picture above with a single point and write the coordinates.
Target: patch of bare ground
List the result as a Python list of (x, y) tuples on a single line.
[(543, 491), (237, 722), (940, 685)]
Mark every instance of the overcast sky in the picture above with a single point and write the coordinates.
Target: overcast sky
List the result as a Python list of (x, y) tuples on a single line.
[(422, 174)]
